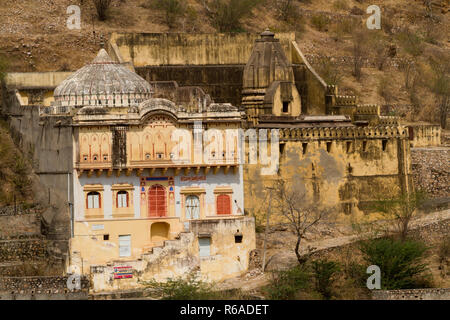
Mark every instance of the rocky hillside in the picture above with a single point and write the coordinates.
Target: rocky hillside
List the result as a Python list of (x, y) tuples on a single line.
[(403, 65)]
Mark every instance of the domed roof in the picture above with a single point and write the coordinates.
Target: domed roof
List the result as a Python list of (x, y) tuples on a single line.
[(102, 82)]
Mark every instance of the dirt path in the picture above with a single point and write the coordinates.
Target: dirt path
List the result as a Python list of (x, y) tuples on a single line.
[(255, 279)]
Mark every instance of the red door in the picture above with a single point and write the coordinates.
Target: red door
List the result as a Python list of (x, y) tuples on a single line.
[(157, 201), (223, 204)]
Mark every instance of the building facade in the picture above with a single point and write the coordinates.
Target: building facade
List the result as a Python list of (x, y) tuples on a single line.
[(147, 170)]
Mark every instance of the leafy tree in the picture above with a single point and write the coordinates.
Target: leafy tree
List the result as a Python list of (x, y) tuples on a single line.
[(324, 273), (399, 261), (226, 15), (172, 10)]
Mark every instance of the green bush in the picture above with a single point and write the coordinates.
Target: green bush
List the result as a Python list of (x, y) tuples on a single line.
[(172, 10), (286, 284), (325, 275), (320, 22), (400, 262), (340, 5), (189, 288), (227, 14), (3, 67)]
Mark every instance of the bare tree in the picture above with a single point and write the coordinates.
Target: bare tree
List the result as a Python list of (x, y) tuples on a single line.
[(401, 209), (285, 9), (440, 86), (290, 200), (102, 7), (329, 70), (359, 52), (172, 10), (227, 14)]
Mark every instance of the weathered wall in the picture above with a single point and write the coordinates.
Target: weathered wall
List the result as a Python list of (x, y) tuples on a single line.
[(180, 256), (159, 49), (424, 135), (48, 142), (431, 170), (348, 169), (12, 226), (222, 82)]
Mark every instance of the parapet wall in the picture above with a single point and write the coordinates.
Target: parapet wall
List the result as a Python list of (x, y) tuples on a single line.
[(163, 49)]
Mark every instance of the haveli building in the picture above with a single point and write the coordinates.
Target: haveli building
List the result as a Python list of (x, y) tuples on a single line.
[(142, 203)]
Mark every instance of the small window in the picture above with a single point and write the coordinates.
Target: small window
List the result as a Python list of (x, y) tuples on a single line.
[(93, 200), (213, 154), (160, 155), (85, 157), (349, 146), (384, 144), (328, 146), (105, 157), (364, 146), (282, 146), (106, 237), (305, 147), (285, 106), (95, 157), (147, 156), (122, 199), (125, 246), (238, 237), (204, 245)]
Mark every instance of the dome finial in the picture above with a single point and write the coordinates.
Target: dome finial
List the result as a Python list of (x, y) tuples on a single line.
[(267, 33)]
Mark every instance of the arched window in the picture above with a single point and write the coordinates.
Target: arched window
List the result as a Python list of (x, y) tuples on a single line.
[(122, 199), (192, 207), (157, 206), (93, 200), (223, 204)]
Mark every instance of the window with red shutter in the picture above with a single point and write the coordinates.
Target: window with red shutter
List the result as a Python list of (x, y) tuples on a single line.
[(223, 204), (157, 201)]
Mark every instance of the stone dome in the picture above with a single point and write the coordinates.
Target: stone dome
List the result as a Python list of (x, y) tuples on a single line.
[(103, 82)]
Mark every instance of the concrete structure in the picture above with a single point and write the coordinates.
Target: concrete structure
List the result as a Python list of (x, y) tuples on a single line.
[(104, 143)]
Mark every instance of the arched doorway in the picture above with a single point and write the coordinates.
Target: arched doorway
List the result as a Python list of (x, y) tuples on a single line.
[(192, 207), (159, 231), (157, 204)]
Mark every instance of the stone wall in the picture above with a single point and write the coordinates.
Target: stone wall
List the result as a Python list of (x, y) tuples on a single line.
[(431, 170), (41, 288), (412, 294), (48, 142), (18, 226)]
